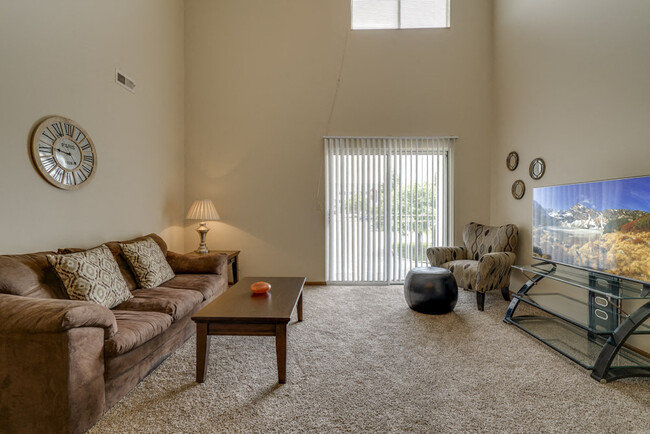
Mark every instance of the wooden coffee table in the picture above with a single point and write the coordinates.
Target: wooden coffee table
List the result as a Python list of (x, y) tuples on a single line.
[(239, 312)]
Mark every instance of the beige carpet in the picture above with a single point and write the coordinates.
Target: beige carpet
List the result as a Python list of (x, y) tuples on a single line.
[(362, 361)]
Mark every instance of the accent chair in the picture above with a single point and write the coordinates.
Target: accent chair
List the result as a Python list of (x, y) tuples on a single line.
[(484, 262)]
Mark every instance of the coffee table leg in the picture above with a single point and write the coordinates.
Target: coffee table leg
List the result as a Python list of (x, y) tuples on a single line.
[(281, 351), (202, 351), (300, 307)]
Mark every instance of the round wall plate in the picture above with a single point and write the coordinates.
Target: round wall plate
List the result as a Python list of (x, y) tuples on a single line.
[(537, 168), (518, 189), (512, 161)]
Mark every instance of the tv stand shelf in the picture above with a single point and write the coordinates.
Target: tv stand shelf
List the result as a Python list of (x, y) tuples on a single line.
[(592, 331)]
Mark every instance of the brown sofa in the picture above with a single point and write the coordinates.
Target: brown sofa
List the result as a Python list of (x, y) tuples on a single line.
[(63, 363)]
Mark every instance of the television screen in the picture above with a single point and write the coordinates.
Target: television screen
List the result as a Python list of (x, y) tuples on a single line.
[(602, 226)]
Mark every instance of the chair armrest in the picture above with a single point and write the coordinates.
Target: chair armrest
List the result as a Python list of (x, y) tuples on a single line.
[(39, 315), (194, 263), (439, 255), (494, 270)]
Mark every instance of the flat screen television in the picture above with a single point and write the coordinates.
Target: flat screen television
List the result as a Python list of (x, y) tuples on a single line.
[(602, 226)]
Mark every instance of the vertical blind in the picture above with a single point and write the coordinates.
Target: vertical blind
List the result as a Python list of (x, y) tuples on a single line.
[(386, 200)]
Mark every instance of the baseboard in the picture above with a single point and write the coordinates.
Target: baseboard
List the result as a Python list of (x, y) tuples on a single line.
[(315, 283), (637, 350)]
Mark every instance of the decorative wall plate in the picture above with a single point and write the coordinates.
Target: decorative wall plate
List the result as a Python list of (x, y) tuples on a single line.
[(537, 168), (63, 153), (512, 161), (518, 189)]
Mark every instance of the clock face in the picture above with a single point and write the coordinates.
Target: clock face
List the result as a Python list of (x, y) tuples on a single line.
[(63, 153)]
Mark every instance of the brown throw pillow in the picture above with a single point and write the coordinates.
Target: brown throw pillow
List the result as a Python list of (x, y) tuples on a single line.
[(91, 275), (147, 262), (196, 263)]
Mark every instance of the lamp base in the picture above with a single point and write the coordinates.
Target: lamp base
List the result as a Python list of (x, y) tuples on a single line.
[(202, 230)]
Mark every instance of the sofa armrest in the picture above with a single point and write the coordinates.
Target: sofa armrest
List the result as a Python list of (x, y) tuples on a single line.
[(439, 255), (52, 364), (194, 263), (494, 270), (39, 315)]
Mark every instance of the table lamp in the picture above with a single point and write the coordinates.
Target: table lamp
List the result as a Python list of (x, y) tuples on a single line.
[(202, 210)]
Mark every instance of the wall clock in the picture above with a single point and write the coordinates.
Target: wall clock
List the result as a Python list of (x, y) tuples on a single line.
[(64, 153)]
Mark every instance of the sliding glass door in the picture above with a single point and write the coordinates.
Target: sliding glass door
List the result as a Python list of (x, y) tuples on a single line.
[(387, 200)]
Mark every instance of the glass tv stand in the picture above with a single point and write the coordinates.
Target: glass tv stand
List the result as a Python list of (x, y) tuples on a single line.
[(590, 328)]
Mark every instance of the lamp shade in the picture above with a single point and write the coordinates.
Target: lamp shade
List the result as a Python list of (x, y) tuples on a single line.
[(203, 210)]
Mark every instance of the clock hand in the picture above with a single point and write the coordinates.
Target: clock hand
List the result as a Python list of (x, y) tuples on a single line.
[(69, 154)]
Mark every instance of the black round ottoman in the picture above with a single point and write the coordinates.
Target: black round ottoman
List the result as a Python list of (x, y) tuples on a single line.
[(431, 290)]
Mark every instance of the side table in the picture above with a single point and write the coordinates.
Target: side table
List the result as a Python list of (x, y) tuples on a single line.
[(233, 262)]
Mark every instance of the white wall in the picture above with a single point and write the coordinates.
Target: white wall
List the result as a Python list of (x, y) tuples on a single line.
[(59, 58), (261, 92), (573, 87)]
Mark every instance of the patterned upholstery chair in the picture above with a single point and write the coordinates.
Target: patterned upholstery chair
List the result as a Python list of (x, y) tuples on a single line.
[(484, 262)]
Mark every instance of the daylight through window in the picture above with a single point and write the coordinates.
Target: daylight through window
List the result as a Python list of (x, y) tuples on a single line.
[(387, 199), (400, 14)]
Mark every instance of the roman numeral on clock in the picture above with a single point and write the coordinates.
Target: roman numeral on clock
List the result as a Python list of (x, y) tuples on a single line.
[(57, 129), (86, 146), (50, 135), (44, 148), (89, 158), (69, 178), (69, 129), (87, 169), (80, 176), (58, 174), (48, 163)]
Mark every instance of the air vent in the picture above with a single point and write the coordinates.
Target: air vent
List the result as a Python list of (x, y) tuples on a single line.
[(124, 81)]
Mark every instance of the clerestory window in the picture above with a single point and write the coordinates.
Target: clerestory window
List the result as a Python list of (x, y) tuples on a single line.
[(400, 14)]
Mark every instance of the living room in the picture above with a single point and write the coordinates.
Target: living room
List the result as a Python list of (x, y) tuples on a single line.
[(231, 103)]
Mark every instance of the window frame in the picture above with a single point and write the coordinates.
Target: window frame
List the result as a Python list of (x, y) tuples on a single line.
[(344, 178), (399, 19)]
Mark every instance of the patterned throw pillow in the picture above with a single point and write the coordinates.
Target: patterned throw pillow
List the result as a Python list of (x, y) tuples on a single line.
[(91, 275), (147, 262)]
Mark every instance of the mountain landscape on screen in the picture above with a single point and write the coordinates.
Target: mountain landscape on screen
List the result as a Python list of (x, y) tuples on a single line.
[(573, 225)]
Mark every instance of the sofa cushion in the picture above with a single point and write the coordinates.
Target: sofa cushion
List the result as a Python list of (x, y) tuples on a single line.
[(92, 275), (195, 263), (464, 271), (172, 301), (30, 275), (209, 285), (147, 262), (134, 328), (123, 371)]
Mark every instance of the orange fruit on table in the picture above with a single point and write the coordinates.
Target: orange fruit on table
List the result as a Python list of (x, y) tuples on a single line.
[(260, 287)]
